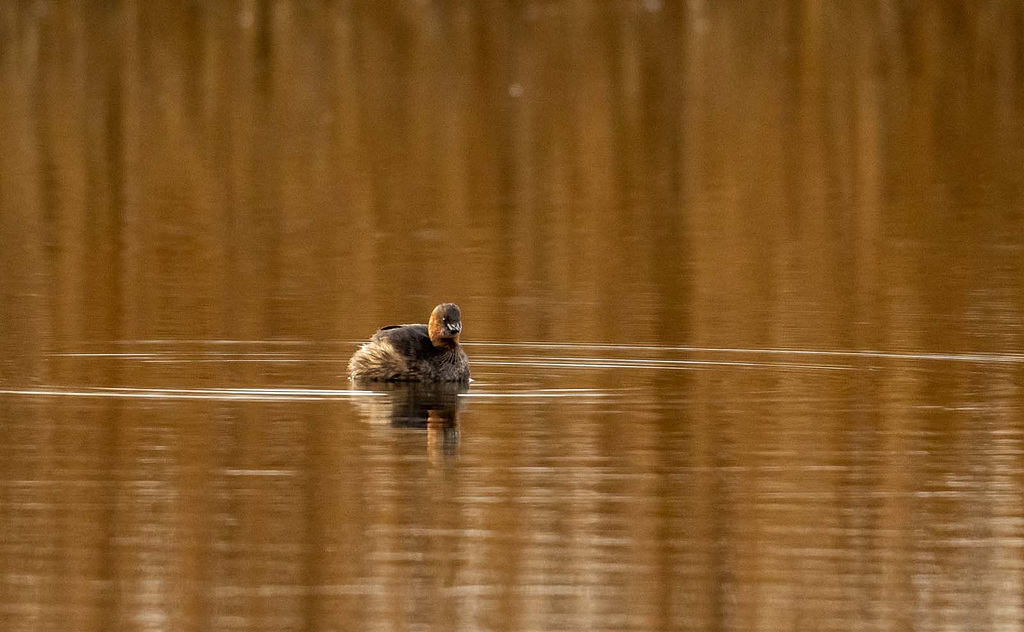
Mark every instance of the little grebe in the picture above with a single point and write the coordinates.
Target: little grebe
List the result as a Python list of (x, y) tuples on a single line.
[(415, 353)]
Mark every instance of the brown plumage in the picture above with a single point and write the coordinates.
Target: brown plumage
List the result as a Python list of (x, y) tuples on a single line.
[(415, 353)]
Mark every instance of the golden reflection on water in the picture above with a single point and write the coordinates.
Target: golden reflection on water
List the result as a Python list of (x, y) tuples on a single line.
[(742, 285)]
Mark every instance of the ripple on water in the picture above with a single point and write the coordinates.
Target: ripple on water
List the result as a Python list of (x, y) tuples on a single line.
[(499, 365)]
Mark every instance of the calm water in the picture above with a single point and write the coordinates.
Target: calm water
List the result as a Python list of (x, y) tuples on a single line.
[(742, 286)]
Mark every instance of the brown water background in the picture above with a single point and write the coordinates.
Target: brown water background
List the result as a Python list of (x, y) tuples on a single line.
[(742, 286)]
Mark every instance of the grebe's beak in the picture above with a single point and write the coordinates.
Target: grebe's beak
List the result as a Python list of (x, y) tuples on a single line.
[(454, 328)]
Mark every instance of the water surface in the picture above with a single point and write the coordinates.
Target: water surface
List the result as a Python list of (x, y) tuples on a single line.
[(742, 288)]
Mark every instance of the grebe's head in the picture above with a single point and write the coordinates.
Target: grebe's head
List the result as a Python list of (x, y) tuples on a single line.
[(445, 325)]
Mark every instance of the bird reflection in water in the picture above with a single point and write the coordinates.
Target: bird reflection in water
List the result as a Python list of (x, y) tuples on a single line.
[(433, 407)]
